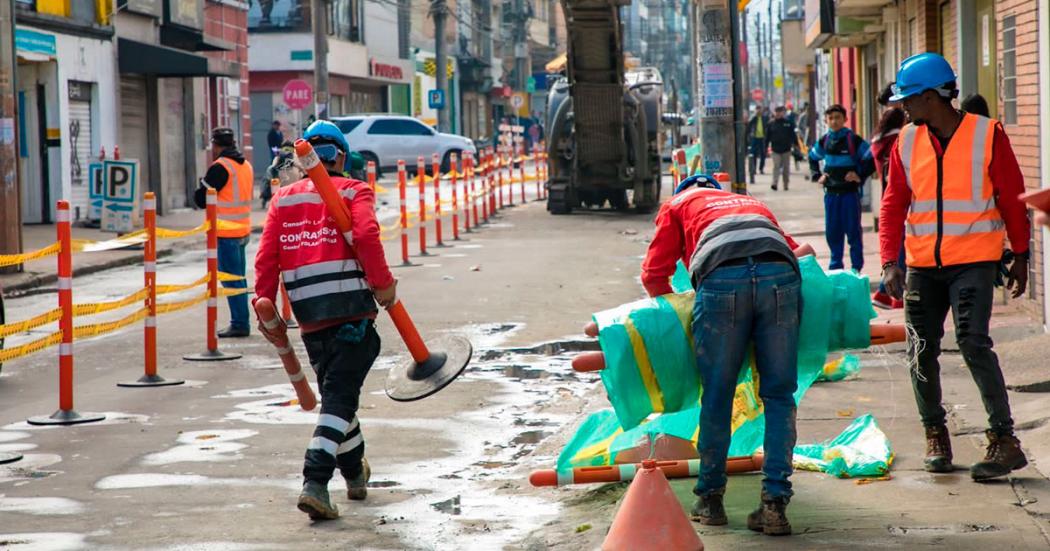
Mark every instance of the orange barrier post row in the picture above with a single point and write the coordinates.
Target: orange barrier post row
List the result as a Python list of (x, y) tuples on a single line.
[(428, 373), (683, 468), (469, 199), (372, 175), (436, 169), (498, 159), (212, 353), (536, 167), (267, 312), (471, 177), (149, 262), (402, 183), (421, 179), (454, 166), (486, 191), (508, 164), (521, 170), (492, 184), (65, 414)]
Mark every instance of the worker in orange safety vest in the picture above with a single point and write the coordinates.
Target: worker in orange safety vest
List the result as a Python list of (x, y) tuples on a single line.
[(232, 178), (952, 192)]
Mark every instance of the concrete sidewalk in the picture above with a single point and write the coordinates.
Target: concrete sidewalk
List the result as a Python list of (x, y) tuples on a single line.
[(44, 271)]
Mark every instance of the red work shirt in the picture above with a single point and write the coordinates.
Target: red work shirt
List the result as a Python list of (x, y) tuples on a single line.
[(681, 223), (1007, 181)]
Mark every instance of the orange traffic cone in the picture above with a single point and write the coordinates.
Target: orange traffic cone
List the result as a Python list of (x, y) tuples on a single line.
[(650, 517)]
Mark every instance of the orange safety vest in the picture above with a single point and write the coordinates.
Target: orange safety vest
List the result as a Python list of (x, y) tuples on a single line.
[(235, 198), (953, 218)]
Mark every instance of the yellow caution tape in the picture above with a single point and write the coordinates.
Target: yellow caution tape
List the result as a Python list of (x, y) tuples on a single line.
[(232, 291), (175, 288), (166, 307), (89, 309), (95, 329), (165, 233), (225, 277), (31, 323), (31, 347), (15, 259)]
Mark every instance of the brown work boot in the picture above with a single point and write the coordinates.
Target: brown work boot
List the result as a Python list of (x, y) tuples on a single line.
[(771, 517), (315, 502), (708, 510), (357, 487), (1004, 455), (938, 450)]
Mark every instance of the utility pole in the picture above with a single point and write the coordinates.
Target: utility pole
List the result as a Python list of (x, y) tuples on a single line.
[(719, 94), (772, 88), (10, 201), (439, 11), (319, 25), (521, 46)]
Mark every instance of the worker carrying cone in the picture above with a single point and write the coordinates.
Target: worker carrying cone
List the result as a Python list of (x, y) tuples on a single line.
[(333, 289), (748, 293)]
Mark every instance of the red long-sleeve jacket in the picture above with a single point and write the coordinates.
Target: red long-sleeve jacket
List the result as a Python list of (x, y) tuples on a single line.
[(1007, 181), (681, 225), (327, 280)]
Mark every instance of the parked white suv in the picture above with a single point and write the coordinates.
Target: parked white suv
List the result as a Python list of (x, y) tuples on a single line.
[(384, 139)]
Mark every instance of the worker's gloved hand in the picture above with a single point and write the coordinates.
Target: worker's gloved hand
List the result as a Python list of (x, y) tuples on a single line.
[(386, 297), (270, 335), (816, 176), (893, 279), (1017, 279)]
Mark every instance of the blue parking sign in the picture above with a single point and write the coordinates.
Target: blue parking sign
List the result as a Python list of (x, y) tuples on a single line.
[(436, 99)]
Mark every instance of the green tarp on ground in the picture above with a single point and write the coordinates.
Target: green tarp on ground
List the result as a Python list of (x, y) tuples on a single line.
[(651, 378)]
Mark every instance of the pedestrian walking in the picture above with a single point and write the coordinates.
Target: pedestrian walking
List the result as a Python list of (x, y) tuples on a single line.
[(747, 291), (954, 184), (782, 140), (882, 143), (274, 139), (756, 136), (847, 163), (976, 104), (333, 289), (232, 179)]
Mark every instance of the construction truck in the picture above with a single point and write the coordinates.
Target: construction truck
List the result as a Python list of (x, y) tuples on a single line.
[(603, 121)]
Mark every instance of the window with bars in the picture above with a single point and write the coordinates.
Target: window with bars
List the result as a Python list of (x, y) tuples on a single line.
[(1009, 69)]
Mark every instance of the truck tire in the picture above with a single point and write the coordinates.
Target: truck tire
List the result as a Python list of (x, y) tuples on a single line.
[(559, 199)]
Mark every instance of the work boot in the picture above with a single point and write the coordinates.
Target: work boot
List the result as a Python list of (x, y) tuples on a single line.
[(771, 517), (773, 187), (708, 510), (357, 487), (1004, 455), (882, 300), (938, 450), (233, 332), (314, 501)]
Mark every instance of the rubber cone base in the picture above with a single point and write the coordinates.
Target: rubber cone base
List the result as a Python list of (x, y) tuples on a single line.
[(66, 417), (449, 356), (211, 356), (7, 457), (151, 380)]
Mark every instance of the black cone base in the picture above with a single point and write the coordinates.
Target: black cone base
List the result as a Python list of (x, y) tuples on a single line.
[(66, 417), (211, 356), (8, 457), (409, 381), (151, 380)]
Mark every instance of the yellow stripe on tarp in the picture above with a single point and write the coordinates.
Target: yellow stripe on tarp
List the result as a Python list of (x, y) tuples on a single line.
[(682, 303), (645, 367), (599, 451)]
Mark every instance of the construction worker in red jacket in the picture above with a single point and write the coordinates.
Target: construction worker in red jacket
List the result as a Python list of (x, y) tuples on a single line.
[(953, 193), (747, 285), (333, 289)]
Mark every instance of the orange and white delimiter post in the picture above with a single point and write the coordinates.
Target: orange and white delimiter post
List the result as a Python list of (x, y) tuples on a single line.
[(212, 352), (454, 168)]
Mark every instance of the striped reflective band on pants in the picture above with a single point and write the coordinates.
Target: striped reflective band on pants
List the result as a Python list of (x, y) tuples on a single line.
[(335, 436)]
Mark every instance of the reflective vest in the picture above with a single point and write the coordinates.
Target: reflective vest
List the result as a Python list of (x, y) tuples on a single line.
[(235, 198), (953, 218)]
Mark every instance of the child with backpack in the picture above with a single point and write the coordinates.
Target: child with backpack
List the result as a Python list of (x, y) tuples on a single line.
[(847, 164)]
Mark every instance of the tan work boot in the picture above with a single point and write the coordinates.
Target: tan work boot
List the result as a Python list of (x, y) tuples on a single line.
[(1004, 455), (357, 487), (709, 510), (314, 501), (938, 450), (771, 517)]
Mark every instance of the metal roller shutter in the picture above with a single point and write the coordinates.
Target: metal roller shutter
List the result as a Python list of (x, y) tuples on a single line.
[(134, 138), (80, 155)]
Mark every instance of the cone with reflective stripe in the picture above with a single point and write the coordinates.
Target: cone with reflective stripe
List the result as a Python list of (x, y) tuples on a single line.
[(435, 363), (650, 517)]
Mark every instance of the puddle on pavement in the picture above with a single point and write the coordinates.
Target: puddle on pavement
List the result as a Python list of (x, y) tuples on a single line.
[(40, 505), (383, 484), (160, 480), (530, 437), (950, 529), (449, 506), (43, 541), (31, 467), (205, 445)]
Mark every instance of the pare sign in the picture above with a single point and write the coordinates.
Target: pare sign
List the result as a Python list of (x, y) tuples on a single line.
[(298, 94)]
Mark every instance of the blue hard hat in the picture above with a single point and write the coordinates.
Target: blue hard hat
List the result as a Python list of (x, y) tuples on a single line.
[(325, 131), (923, 72), (699, 180)]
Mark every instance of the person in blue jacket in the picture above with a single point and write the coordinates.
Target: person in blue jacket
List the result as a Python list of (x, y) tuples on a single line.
[(847, 164)]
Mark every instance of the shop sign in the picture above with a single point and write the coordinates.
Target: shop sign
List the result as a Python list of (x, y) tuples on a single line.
[(384, 70), (120, 202), (297, 94), (188, 13), (33, 42), (79, 90)]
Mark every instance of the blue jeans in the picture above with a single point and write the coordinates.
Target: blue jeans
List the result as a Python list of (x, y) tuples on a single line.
[(232, 261), (842, 221), (737, 305)]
